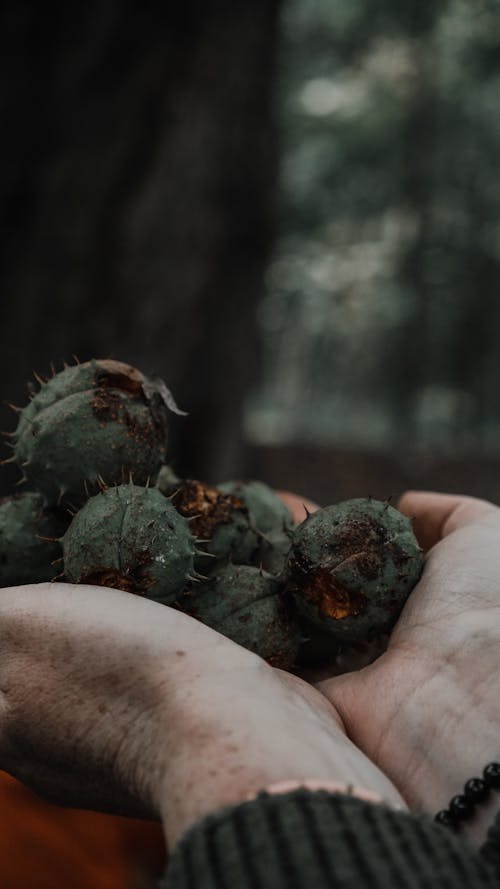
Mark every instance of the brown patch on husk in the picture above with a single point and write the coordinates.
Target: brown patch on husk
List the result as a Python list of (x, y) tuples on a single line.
[(362, 541), (109, 406), (210, 506), (320, 587), (117, 375), (116, 385), (135, 581), (106, 406)]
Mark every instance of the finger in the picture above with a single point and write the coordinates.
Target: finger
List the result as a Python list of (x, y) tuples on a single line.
[(437, 515), (299, 507)]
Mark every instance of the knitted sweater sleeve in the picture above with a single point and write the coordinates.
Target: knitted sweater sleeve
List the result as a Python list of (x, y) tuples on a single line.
[(317, 839)]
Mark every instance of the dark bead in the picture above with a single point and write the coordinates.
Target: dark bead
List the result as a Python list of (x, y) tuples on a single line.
[(476, 790), (445, 818), (461, 807), (491, 774)]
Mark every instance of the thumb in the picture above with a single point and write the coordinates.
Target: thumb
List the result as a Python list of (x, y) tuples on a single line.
[(437, 515)]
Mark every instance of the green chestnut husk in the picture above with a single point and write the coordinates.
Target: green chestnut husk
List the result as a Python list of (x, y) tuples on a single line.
[(248, 606), (130, 538), (102, 419), (271, 519), (29, 540), (267, 511), (219, 520), (167, 480), (352, 566)]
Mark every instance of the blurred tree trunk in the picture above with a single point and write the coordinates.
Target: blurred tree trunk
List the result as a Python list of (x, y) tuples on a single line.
[(137, 199), (409, 366)]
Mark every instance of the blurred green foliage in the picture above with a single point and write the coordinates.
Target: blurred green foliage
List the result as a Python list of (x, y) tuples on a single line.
[(381, 322)]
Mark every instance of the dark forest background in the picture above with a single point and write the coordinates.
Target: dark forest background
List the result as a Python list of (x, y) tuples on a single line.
[(289, 209), (137, 195)]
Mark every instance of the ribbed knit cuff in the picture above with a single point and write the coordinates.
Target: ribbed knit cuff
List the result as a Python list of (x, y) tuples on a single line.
[(490, 850), (320, 839)]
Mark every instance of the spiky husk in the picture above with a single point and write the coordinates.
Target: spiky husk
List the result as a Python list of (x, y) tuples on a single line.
[(133, 539), (248, 606), (167, 481), (24, 556), (269, 517), (352, 567), (98, 419), (220, 520), (267, 511)]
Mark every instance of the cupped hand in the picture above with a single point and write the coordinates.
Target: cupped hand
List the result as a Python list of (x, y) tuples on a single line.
[(426, 712), (113, 702)]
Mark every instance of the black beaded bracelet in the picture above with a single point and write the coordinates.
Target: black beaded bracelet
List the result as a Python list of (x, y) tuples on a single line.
[(476, 790)]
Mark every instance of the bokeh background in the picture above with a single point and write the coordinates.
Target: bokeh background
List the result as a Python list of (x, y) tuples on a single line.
[(289, 209)]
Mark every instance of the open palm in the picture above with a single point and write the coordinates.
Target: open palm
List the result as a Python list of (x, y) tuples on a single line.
[(426, 711)]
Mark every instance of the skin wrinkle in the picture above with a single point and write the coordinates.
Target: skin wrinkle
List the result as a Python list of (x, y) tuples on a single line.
[(453, 521), (437, 621), (413, 765), (121, 769), (329, 712), (462, 622), (382, 745), (446, 524), (424, 734)]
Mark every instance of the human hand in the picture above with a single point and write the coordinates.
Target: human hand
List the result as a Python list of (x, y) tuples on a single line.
[(114, 702), (426, 712)]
